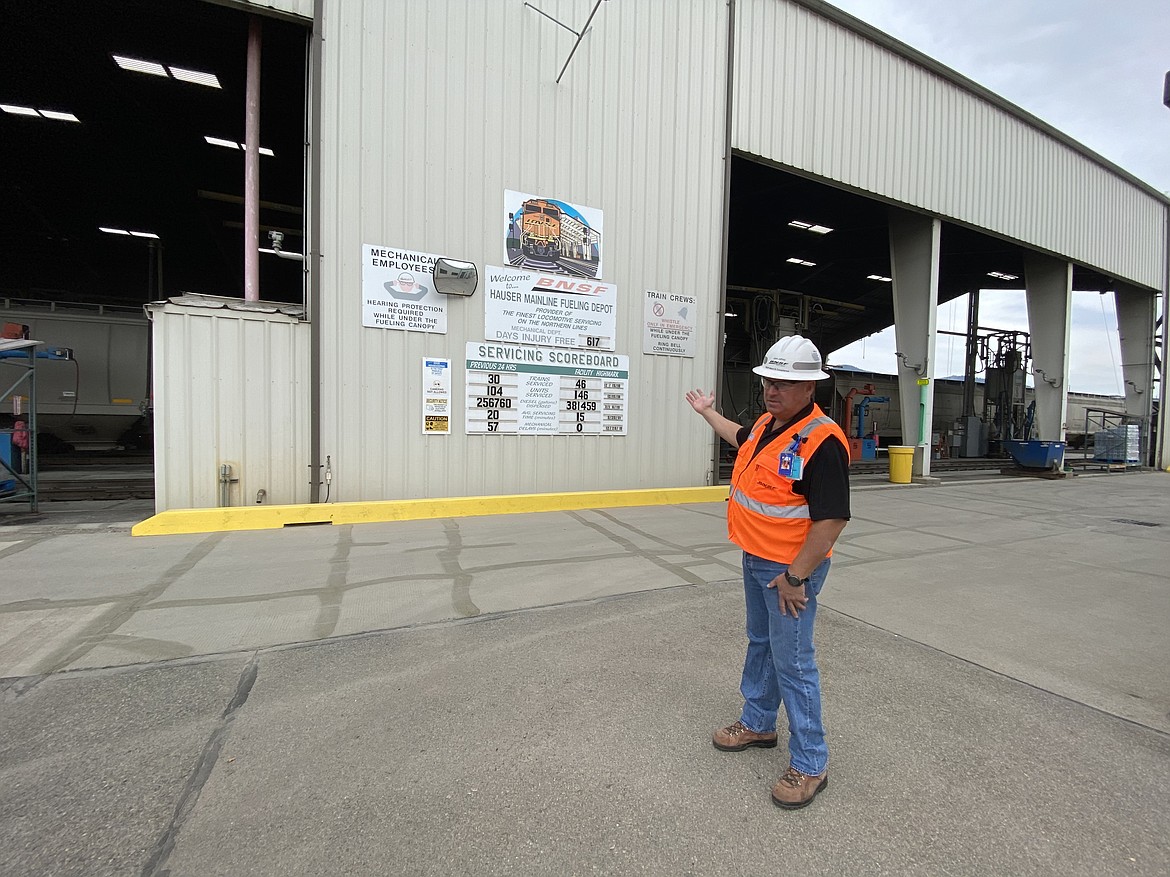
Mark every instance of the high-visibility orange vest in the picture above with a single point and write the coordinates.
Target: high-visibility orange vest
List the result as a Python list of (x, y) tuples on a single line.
[(765, 517)]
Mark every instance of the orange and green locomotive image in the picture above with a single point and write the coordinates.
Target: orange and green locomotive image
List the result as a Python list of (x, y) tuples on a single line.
[(540, 228), (551, 235)]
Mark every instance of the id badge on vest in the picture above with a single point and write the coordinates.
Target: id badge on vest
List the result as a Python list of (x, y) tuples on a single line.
[(791, 465)]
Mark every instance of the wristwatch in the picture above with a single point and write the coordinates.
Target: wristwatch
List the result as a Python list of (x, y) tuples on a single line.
[(795, 581)]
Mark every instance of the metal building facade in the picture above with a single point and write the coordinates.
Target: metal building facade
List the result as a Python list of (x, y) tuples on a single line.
[(427, 112), (830, 100), (430, 111)]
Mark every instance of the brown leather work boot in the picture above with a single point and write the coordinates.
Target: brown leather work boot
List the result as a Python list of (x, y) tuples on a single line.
[(736, 738), (795, 789)]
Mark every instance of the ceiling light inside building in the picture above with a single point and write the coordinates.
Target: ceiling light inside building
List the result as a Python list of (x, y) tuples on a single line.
[(232, 144), (880, 277), (140, 66), (804, 262), (47, 114), (122, 231), (999, 275), (59, 116), (196, 76), (808, 226)]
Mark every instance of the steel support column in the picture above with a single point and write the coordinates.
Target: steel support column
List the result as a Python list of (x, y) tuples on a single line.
[(914, 248), (1135, 330), (1048, 290)]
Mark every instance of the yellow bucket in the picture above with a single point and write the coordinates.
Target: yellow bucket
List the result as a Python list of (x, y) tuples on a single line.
[(901, 463)]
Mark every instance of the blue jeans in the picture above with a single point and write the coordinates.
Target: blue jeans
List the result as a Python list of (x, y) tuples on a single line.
[(781, 666)]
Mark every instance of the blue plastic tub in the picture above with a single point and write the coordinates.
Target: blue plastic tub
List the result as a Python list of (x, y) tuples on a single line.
[(1035, 454)]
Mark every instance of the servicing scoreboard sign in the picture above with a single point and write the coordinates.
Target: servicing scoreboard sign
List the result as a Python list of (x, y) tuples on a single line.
[(516, 389)]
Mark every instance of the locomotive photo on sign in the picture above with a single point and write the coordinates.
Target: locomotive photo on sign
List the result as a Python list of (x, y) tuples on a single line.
[(551, 235)]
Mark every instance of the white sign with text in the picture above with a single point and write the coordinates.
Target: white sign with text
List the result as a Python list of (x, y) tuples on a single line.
[(397, 291), (517, 390), (436, 395), (528, 307), (668, 323)]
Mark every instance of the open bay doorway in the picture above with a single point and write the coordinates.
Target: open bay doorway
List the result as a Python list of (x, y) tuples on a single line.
[(127, 121)]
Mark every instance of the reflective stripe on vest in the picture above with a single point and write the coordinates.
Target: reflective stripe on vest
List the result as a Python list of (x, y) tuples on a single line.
[(769, 510), (816, 421)]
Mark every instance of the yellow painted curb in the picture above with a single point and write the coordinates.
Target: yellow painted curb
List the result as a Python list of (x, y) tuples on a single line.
[(273, 517)]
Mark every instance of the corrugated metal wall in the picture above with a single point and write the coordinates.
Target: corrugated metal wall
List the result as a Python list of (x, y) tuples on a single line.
[(431, 110), (229, 387), (816, 96)]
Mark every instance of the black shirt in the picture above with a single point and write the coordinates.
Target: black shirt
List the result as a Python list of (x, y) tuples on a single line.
[(825, 480)]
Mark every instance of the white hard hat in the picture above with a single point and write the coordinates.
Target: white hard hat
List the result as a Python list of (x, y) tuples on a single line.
[(794, 358)]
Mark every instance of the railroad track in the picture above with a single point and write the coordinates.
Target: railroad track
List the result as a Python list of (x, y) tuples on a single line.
[(95, 477)]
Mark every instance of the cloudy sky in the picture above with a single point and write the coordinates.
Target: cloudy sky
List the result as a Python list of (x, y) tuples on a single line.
[(1092, 69)]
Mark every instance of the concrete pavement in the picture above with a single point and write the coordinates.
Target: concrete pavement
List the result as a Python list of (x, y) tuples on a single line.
[(534, 694)]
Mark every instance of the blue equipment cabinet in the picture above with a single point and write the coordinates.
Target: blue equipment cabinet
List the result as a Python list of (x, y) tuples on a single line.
[(7, 482)]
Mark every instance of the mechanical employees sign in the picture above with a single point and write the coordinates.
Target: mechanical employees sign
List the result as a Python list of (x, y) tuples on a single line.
[(553, 311), (397, 292)]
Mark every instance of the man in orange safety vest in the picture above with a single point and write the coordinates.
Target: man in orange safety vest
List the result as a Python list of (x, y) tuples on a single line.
[(789, 502)]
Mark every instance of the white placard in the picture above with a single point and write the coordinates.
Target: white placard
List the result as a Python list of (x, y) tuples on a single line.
[(520, 390), (528, 307), (397, 292), (668, 324), (436, 395)]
